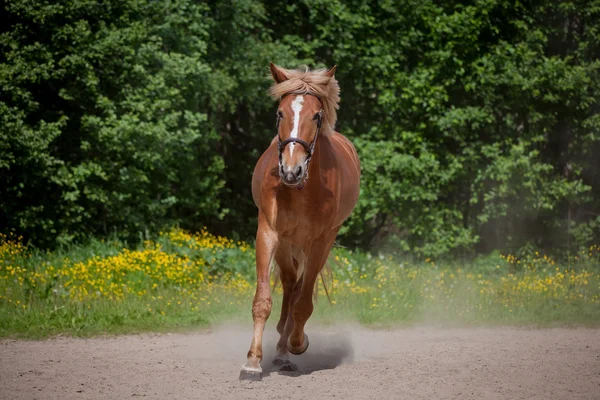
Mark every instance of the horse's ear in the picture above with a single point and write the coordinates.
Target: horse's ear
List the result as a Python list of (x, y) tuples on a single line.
[(331, 72), (277, 73)]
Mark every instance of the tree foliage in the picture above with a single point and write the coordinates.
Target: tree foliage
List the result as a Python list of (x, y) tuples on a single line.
[(477, 122)]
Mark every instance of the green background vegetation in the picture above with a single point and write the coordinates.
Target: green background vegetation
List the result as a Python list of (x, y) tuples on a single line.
[(477, 122)]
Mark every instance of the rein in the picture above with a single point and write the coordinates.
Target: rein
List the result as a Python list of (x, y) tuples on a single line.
[(310, 148)]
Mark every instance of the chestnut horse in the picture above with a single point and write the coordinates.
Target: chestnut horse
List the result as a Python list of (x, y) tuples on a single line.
[(305, 185)]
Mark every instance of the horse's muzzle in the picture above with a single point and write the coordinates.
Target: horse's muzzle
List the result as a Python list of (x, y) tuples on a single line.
[(293, 177)]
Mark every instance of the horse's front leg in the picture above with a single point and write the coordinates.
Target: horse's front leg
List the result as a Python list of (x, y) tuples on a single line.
[(266, 245)]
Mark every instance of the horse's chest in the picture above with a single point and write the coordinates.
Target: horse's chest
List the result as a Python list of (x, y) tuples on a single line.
[(297, 219)]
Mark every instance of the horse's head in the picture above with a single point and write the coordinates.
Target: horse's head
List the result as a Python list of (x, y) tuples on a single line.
[(299, 120)]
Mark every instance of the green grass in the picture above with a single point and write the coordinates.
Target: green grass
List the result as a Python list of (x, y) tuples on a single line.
[(107, 317), (189, 282)]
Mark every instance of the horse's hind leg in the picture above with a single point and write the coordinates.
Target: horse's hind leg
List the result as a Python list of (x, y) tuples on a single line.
[(288, 267), (303, 304), (266, 245)]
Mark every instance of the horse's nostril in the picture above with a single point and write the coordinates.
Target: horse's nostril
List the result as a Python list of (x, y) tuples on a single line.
[(299, 171)]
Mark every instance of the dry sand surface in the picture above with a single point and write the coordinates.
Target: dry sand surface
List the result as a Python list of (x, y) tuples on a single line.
[(344, 362)]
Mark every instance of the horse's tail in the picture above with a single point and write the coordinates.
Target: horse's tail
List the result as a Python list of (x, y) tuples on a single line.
[(326, 274)]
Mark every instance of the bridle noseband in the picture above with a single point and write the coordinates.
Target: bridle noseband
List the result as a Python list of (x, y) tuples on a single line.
[(310, 148)]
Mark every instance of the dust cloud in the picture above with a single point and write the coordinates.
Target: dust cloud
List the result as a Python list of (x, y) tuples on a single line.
[(330, 346)]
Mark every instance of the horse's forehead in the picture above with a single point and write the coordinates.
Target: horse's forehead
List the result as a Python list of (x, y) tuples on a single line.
[(295, 102)]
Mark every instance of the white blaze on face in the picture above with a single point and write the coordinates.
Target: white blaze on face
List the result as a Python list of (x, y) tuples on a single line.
[(296, 107)]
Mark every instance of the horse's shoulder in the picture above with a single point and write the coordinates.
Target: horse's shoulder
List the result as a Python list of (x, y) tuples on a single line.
[(265, 173)]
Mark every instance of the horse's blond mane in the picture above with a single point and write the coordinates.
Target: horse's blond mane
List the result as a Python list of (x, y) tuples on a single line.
[(317, 82)]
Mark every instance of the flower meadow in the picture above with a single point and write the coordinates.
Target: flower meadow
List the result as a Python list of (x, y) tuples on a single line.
[(183, 280)]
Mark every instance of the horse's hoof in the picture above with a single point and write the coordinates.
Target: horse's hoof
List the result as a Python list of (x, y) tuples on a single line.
[(298, 350), (284, 364), (288, 366), (278, 361), (250, 374)]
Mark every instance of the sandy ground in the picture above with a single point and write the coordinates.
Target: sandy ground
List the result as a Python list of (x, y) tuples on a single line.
[(342, 362)]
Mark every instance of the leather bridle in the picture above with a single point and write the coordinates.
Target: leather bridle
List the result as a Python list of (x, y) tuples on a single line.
[(309, 147)]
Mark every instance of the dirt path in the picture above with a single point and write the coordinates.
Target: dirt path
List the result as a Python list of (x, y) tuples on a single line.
[(342, 362)]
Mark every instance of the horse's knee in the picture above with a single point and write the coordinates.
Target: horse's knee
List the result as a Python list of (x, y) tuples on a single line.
[(261, 307)]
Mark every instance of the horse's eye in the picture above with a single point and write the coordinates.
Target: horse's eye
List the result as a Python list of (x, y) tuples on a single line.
[(279, 115), (316, 116)]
